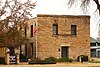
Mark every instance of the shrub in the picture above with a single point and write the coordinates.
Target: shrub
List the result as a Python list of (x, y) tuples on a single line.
[(51, 59), (83, 58), (2, 60), (23, 58), (34, 61), (64, 60)]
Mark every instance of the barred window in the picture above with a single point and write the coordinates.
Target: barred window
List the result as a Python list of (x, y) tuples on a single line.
[(73, 30), (31, 30), (25, 32), (55, 29)]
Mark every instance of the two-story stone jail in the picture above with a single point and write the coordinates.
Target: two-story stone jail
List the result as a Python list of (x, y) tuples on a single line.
[(58, 36)]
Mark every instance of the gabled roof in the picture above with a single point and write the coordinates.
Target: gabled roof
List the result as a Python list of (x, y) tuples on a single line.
[(92, 40)]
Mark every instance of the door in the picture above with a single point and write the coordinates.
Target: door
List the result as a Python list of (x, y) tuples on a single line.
[(98, 53), (64, 53)]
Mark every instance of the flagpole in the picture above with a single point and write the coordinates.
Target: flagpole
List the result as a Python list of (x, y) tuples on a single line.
[(36, 46), (36, 38)]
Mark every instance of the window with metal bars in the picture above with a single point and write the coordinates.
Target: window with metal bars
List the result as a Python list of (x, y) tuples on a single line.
[(73, 30), (55, 29), (31, 30)]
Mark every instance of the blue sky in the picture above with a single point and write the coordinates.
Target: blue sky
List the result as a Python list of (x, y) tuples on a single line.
[(59, 7)]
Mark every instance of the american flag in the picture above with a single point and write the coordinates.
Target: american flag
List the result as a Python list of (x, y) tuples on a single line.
[(35, 31)]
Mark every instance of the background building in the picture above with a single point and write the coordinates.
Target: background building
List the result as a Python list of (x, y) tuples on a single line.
[(94, 48)]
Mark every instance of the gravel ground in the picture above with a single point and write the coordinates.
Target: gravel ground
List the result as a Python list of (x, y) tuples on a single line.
[(74, 64)]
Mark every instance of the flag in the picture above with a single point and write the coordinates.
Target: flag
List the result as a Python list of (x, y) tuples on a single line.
[(35, 31)]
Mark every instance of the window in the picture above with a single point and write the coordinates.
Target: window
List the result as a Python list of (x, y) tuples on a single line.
[(31, 49), (98, 53), (93, 52), (92, 44), (31, 30), (25, 32), (55, 29), (98, 44), (25, 49), (73, 29)]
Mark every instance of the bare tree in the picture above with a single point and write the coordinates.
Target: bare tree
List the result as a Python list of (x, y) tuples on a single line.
[(13, 13), (84, 4)]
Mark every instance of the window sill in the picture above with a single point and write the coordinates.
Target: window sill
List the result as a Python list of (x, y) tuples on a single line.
[(74, 35), (54, 35)]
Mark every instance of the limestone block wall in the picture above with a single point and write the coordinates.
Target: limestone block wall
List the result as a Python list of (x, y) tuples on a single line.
[(50, 45), (29, 39)]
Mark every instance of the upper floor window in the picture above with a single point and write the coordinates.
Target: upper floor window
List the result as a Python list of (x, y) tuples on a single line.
[(73, 30), (31, 30), (55, 29), (92, 44)]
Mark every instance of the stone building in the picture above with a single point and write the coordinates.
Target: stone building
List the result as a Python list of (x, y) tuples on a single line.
[(28, 49), (55, 35), (58, 36)]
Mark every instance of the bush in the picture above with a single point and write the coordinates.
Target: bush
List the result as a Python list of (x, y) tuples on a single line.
[(2, 60), (51, 59), (83, 58), (64, 60), (23, 58)]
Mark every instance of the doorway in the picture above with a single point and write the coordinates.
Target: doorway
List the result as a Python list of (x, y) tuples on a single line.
[(64, 52)]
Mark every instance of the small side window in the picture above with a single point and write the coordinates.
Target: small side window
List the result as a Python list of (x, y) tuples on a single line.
[(31, 31)]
